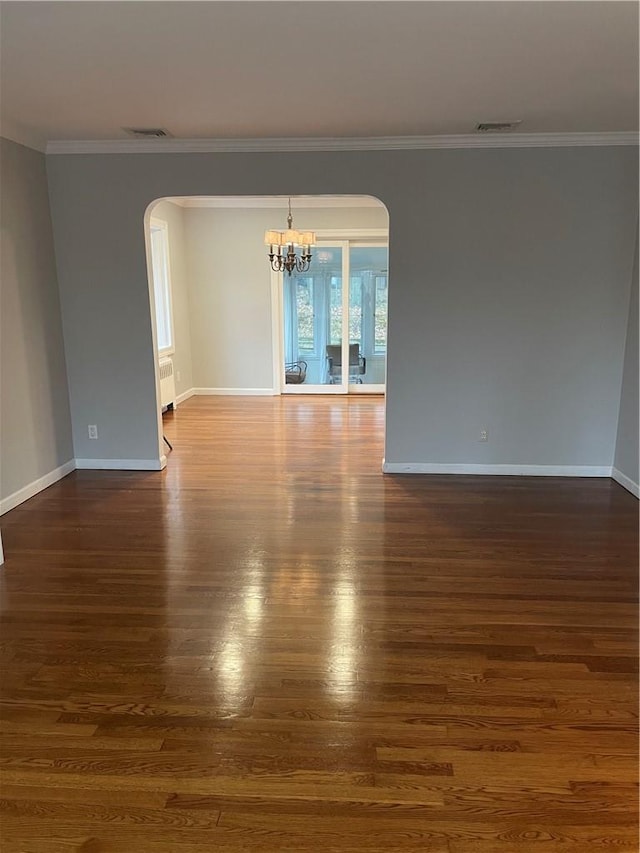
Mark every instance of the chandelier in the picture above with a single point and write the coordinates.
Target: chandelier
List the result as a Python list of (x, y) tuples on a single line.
[(283, 245)]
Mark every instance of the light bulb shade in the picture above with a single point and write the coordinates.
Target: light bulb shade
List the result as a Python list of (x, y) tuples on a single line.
[(291, 236), (273, 238), (307, 238)]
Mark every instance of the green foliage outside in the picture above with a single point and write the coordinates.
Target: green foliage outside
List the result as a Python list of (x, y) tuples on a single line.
[(304, 304)]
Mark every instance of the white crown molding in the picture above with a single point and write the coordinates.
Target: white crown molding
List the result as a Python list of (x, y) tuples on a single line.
[(275, 202), (378, 143)]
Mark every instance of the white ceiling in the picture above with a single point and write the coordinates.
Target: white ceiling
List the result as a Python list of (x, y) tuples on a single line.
[(85, 70)]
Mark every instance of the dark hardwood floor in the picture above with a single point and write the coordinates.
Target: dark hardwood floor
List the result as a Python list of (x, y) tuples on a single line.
[(271, 646)]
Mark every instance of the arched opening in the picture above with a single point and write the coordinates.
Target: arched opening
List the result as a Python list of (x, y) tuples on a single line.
[(224, 324)]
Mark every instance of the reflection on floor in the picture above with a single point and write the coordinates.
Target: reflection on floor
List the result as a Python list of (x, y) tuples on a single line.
[(271, 646)]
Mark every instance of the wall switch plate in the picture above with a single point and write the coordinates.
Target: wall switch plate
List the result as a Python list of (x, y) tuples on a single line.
[(484, 435), (93, 431)]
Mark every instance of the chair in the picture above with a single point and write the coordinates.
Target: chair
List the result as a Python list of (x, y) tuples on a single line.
[(357, 364), (295, 372)]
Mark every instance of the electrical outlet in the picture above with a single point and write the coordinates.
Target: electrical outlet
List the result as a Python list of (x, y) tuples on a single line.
[(93, 431), (178, 376), (484, 435)]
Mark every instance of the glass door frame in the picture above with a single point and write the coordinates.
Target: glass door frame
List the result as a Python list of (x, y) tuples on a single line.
[(336, 238)]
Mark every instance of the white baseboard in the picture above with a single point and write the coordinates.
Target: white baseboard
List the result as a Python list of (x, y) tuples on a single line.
[(121, 464), (508, 470), (236, 392), (36, 486), (224, 392), (28, 491), (31, 489), (185, 396), (626, 482)]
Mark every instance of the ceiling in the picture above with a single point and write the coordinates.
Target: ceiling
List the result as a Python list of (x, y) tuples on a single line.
[(222, 70)]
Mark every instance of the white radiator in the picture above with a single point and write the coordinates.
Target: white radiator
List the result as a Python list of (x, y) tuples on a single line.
[(167, 383)]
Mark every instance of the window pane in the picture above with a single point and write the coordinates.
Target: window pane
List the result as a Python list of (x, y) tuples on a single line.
[(335, 331), (313, 318), (160, 271), (381, 294), (305, 314), (355, 310), (368, 300)]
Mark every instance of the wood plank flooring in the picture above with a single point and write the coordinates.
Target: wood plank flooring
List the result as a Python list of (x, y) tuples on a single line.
[(270, 646)]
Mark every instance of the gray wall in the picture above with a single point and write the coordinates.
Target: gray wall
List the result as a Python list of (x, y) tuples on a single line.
[(173, 215), (230, 301), (517, 318), (35, 425), (508, 298), (626, 458)]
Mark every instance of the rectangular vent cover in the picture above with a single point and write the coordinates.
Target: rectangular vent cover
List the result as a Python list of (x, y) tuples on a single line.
[(497, 126), (147, 132)]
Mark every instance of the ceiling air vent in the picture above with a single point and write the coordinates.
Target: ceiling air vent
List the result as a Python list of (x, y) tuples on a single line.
[(497, 126), (147, 132)]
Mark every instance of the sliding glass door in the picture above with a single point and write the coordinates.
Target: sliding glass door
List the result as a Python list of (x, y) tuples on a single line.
[(334, 321), (368, 287), (313, 313)]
